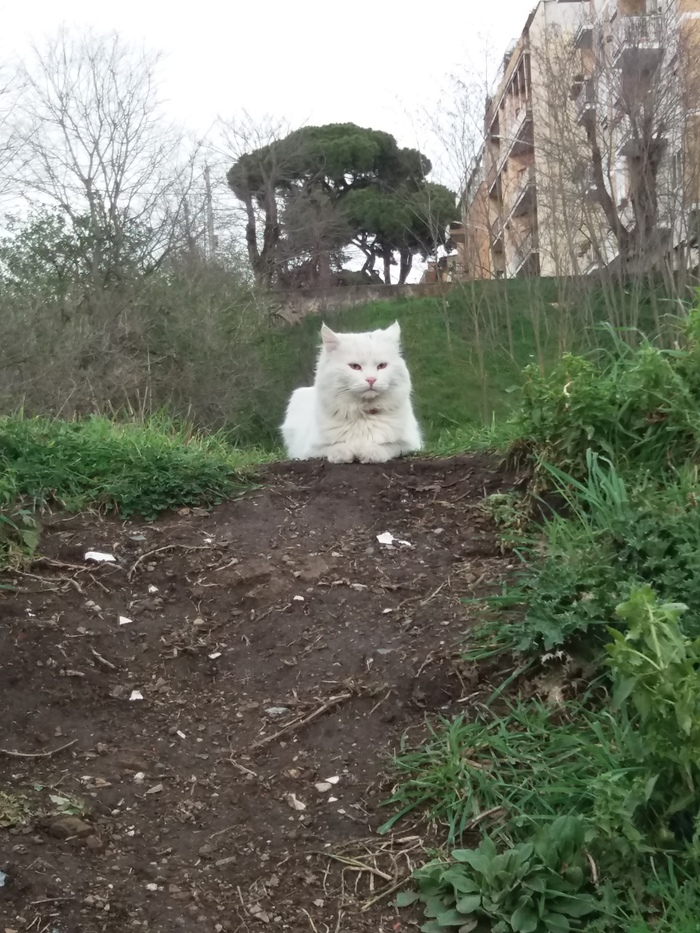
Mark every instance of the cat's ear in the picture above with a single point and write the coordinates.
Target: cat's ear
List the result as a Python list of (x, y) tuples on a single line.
[(394, 331), (331, 341)]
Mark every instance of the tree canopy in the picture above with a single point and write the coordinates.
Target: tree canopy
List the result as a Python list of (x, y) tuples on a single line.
[(322, 188)]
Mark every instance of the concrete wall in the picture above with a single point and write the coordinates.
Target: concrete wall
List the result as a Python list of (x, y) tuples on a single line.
[(295, 304)]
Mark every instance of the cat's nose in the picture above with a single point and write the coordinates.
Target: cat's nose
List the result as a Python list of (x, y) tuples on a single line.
[(371, 380)]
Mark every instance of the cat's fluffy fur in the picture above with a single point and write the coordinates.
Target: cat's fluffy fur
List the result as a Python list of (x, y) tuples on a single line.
[(343, 416)]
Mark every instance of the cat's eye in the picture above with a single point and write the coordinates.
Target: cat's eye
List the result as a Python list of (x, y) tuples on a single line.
[(382, 365), (354, 366)]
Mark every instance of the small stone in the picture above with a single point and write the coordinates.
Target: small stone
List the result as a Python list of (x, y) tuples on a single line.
[(66, 826), (206, 850), (156, 789), (94, 843)]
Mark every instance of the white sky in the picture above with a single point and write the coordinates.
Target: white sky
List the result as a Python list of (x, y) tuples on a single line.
[(372, 63), (305, 61)]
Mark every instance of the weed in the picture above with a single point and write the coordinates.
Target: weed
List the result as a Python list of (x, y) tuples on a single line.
[(615, 534), (655, 671), (531, 764), (639, 407), (533, 887)]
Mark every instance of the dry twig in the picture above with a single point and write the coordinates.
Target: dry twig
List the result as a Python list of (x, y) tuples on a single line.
[(298, 723), (54, 751)]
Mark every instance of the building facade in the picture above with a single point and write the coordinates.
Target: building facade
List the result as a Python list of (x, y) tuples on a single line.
[(591, 139)]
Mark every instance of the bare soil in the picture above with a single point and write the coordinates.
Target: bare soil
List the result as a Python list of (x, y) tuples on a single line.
[(275, 644)]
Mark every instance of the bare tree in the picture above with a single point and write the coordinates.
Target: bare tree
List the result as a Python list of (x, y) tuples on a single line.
[(11, 153), (98, 147)]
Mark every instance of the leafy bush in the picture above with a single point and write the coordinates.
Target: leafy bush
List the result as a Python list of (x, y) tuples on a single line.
[(533, 887), (638, 406), (615, 535)]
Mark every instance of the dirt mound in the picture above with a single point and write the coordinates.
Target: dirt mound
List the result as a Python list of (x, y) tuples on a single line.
[(166, 718)]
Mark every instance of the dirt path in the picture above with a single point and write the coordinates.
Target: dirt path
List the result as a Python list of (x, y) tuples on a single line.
[(278, 613)]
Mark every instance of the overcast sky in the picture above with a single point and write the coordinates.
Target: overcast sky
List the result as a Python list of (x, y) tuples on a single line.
[(378, 64), (375, 63)]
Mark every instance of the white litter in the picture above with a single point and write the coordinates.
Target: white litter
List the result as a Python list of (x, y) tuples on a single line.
[(136, 695), (299, 599), (295, 803), (332, 780), (387, 538), (152, 589), (100, 557), (214, 655), (275, 711), (125, 620), (181, 734)]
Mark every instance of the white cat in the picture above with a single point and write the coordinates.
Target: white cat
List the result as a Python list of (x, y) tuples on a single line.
[(359, 407)]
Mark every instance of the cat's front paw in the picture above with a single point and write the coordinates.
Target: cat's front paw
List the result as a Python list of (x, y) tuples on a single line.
[(375, 453), (340, 453)]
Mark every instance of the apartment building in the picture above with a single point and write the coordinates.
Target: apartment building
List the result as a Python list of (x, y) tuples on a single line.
[(591, 141)]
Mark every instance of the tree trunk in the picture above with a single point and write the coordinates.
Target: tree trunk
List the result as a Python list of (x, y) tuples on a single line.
[(609, 207), (406, 265), (386, 256)]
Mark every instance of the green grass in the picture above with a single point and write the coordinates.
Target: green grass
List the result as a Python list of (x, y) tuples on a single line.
[(615, 437), (127, 468), (523, 764), (465, 352)]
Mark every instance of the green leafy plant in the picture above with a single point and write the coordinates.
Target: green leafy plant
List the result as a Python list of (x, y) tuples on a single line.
[(655, 671), (616, 533), (533, 887), (640, 406), (19, 529)]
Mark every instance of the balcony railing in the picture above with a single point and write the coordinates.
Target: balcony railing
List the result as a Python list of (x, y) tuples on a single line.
[(583, 37), (638, 42), (522, 253), (523, 191), (515, 133)]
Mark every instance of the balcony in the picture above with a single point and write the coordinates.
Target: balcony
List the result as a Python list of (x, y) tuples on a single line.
[(491, 182), (517, 137), (523, 193), (585, 103), (456, 232), (524, 260), (497, 235), (583, 37), (638, 42), (634, 147)]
